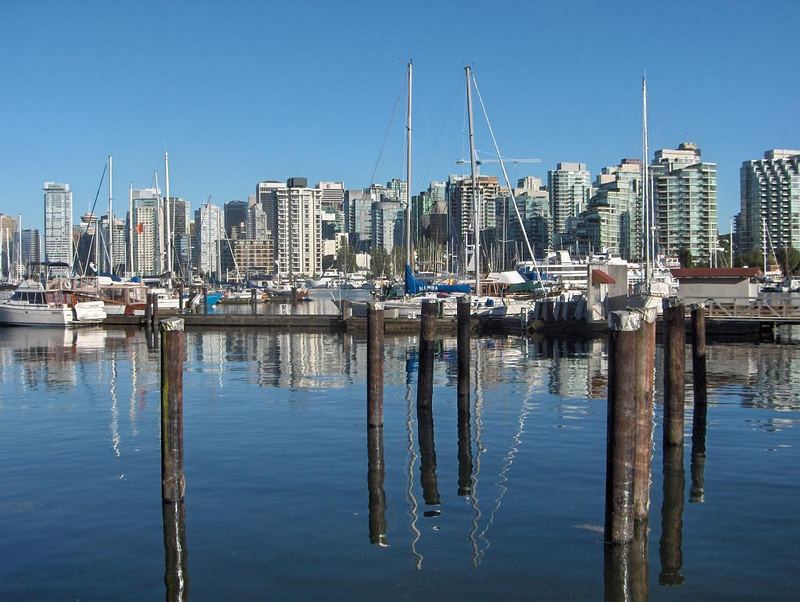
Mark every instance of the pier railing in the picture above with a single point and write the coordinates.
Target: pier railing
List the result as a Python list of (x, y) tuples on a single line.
[(757, 309)]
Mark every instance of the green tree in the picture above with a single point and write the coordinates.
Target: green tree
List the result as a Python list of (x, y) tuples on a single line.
[(346, 259), (379, 261), (685, 257), (789, 260), (753, 259)]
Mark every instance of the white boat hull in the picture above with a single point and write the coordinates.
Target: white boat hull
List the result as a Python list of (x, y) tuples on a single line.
[(27, 314)]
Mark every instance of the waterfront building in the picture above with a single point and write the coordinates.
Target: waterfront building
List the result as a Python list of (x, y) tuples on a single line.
[(460, 197), (570, 189), (332, 206), (685, 195), (612, 221), (388, 219), (252, 256), (9, 247), (235, 219), (209, 228), (148, 232), (397, 190), (116, 264), (533, 203), (358, 217), (770, 196), (180, 216), (31, 249), (294, 219), (58, 226)]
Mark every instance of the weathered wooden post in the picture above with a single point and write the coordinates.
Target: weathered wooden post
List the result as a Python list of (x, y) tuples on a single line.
[(173, 352), (699, 355), (154, 312), (463, 343), (148, 310), (674, 371), (180, 298), (427, 333), (617, 572), (375, 365), (377, 495), (639, 562), (645, 361), (205, 299), (669, 547), (347, 310), (176, 566), (621, 425)]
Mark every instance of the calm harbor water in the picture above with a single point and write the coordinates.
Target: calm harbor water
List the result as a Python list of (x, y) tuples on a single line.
[(278, 496)]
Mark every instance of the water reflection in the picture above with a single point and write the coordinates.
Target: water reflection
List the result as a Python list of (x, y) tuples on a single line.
[(377, 495), (176, 569), (669, 546), (697, 491)]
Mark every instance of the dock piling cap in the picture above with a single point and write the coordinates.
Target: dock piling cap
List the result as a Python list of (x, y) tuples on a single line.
[(171, 324), (624, 320), (376, 305)]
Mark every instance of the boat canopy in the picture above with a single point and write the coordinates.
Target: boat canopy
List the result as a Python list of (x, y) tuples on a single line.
[(415, 285)]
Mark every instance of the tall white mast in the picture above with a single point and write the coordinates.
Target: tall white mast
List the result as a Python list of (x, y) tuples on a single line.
[(476, 210), (131, 271), (110, 214), (159, 212), (647, 217), (168, 218), (408, 167), (20, 267)]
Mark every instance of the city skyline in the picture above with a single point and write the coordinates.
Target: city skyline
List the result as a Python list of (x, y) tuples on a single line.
[(82, 91)]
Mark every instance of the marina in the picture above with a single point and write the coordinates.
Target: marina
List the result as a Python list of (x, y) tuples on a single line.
[(264, 413)]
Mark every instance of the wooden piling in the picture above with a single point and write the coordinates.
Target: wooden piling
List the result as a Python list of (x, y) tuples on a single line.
[(616, 572), (377, 495), (154, 313), (427, 333), (645, 376), (699, 355), (173, 352), (180, 298), (205, 299), (375, 365), (621, 425), (347, 310), (674, 371), (148, 310), (669, 546), (463, 342), (639, 562), (176, 566)]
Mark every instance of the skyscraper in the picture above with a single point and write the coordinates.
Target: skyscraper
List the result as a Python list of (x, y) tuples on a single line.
[(570, 188), (685, 189), (460, 200), (209, 229), (235, 219), (180, 210), (294, 219), (148, 229), (31, 249), (387, 224), (332, 205), (58, 226), (9, 246), (770, 197)]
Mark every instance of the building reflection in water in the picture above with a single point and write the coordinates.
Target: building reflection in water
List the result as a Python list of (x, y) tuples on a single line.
[(176, 568)]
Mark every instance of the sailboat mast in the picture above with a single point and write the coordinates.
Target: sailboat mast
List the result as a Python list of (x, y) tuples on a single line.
[(110, 214), (20, 267), (408, 167), (647, 217), (168, 218), (130, 229), (473, 164)]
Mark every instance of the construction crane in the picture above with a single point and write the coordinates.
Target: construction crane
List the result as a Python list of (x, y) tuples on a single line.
[(505, 160)]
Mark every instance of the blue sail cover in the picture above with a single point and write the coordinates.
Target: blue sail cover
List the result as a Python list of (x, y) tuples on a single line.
[(415, 285)]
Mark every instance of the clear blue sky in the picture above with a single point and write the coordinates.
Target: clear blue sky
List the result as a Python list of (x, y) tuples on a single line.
[(239, 92)]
